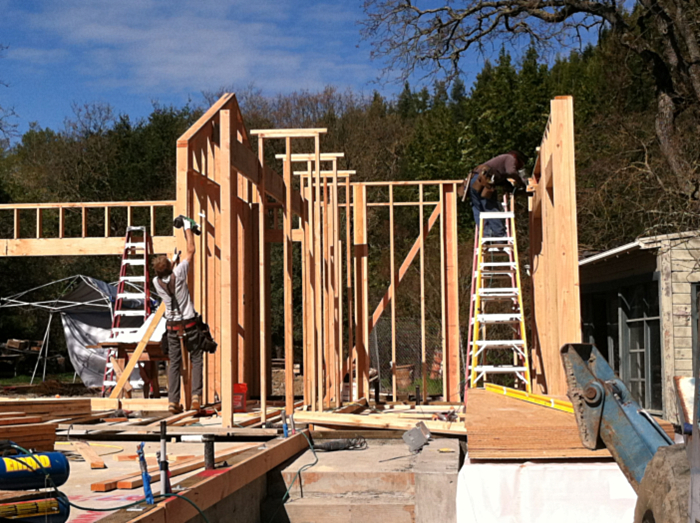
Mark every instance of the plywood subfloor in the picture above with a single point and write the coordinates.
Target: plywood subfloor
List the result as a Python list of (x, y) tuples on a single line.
[(499, 427)]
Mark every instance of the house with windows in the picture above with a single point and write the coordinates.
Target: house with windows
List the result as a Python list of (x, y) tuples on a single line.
[(639, 307)]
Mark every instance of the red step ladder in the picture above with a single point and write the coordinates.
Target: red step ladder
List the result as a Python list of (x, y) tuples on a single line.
[(134, 285)]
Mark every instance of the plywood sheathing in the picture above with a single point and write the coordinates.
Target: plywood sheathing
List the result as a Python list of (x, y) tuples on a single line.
[(556, 317)]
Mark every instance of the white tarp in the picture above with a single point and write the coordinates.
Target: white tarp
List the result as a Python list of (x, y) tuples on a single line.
[(544, 492), (88, 363)]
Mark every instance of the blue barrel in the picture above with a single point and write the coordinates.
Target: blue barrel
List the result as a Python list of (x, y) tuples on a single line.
[(28, 471)]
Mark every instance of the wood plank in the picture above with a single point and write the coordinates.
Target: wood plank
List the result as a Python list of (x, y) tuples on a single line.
[(20, 420), (377, 422), (133, 360), (89, 455)]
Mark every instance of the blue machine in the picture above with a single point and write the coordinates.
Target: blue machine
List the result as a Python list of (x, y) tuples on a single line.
[(28, 471), (665, 476)]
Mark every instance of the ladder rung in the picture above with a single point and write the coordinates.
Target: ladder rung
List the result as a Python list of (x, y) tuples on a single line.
[(133, 279), (129, 313), (141, 228), (492, 344), (129, 261), (489, 239), (500, 274), (499, 369), (498, 318), (491, 215), (494, 291), (498, 264), (131, 295), (135, 245)]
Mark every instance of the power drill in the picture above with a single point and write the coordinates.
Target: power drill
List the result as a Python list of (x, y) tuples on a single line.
[(179, 223)]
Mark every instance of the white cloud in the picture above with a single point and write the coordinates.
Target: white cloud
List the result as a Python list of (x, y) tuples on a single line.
[(157, 46)]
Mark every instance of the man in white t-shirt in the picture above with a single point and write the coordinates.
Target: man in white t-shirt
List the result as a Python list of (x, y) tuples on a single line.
[(171, 285)]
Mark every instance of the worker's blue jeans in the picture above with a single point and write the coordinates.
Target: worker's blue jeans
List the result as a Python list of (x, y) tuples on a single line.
[(492, 228)]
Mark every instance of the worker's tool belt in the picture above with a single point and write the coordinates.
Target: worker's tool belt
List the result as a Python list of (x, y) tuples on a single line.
[(195, 333), (180, 325), (483, 181)]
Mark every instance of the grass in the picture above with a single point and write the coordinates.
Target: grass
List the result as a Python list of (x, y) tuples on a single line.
[(24, 379)]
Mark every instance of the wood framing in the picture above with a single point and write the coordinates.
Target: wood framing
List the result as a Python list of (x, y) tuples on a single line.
[(244, 207), (556, 318)]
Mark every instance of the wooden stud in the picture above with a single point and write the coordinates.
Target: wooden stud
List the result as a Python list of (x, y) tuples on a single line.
[(84, 222), (393, 285), (288, 273), (107, 222), (152, 212), (451, 375), (361, 290), (39, 223), (349, 288), (422, 297), (61, 222), (262, 297), (337, 295), (17, 224), (318, 263), (443, 295), (228, 180)]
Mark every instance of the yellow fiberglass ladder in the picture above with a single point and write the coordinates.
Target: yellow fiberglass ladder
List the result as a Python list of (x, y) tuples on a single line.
[(497, 324)]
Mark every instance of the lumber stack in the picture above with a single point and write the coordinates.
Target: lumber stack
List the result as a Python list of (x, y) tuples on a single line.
[(48, 408), (28, 431)]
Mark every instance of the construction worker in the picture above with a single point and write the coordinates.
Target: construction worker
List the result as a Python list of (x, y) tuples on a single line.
[(171, 285), (503, 170)]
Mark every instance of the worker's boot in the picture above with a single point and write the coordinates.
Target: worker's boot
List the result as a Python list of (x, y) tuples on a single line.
[(174, 408), (196, 402)]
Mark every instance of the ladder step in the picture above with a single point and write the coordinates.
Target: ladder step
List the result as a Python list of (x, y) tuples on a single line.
[(128, 261), (499, 318), (497, 291), (497, 344), (130, 313), (499, 369), (496, 215), (133, 279), (498, 264), (501, 239), (134, 245), (498, 274), (141, 228), (131, 295)]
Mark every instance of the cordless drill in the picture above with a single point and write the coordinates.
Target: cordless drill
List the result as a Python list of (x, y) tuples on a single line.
[(181, 220)]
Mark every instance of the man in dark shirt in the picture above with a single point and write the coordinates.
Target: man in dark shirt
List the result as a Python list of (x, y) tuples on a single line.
[(501, 170)]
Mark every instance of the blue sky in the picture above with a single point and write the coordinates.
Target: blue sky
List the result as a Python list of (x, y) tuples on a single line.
[(131, 53)]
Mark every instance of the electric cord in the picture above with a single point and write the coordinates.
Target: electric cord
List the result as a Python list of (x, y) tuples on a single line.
[(296, 476), (60, 495)]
